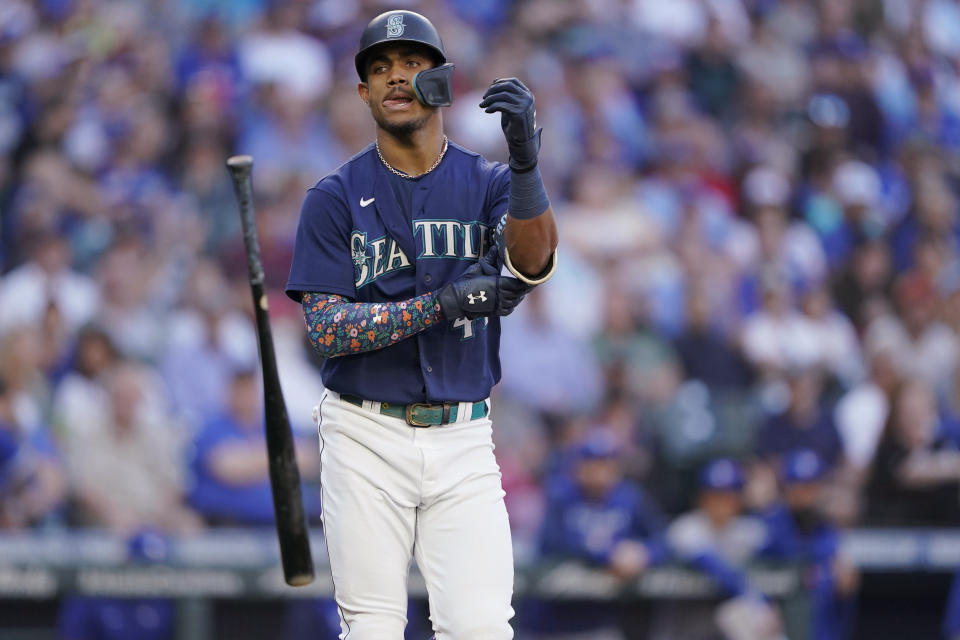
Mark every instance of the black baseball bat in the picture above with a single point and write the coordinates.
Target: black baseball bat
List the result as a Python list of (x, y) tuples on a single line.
[(284, 473)]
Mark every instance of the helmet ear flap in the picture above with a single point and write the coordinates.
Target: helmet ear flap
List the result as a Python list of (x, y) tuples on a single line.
[(433, 86)]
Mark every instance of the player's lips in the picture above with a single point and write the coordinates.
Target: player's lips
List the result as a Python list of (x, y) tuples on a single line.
[(397, 100)]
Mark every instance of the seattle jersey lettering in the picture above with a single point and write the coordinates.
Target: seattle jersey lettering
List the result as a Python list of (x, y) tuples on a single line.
[(434, 239)]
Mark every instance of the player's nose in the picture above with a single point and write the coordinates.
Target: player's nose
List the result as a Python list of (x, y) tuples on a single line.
[(396, 76)]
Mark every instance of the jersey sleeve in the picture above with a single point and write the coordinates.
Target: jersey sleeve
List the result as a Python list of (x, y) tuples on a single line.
[(321, 254), (498, 193)]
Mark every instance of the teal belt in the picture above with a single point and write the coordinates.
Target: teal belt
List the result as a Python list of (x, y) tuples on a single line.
[(420, 414)]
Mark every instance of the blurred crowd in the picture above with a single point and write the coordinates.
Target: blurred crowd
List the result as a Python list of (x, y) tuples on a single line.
[(759, 272)]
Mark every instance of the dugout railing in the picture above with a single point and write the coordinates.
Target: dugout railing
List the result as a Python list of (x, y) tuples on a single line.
[(242, 565)]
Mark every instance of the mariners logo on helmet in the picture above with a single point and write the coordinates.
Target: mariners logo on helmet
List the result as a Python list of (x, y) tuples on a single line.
[(398, 26), (395, 26)]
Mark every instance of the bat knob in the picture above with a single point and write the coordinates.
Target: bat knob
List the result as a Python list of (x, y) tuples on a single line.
[(300, 579), (239, 162)]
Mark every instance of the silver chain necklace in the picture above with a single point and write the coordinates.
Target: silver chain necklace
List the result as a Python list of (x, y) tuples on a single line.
[(436, 163)]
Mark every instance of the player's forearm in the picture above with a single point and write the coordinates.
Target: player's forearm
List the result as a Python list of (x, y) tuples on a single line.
[(238, 464), (732, 580), (531, 242), (530, 235), (337, 327)]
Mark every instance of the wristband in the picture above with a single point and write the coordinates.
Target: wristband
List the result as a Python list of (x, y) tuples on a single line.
[(528, 198)]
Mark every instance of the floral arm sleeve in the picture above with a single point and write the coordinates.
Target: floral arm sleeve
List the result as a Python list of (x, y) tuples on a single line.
[(338, 327)]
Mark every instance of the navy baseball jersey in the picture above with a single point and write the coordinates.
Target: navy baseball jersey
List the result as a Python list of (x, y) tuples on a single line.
[(372, 236)]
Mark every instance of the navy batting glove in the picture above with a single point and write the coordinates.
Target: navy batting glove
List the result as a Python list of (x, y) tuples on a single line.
[(474, 295), (518, 113)]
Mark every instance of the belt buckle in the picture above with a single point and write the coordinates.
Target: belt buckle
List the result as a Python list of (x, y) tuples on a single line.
[(413, 422)]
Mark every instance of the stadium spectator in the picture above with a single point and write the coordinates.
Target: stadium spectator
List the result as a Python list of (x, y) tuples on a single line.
[(853, 201), (547, 368), (934, 218), (131, 436), (596, 517), (777, 338), (862, 412), (128, 312), (782, 246), (22, 368), (203, 178), (915, 475), (628, 343), (80, 390), (210, 56), (230, 482), (863, 286), (207, 337), (925, 347), (32, 483), (804, 425), (706, 353), (840, 348), (46, 278)]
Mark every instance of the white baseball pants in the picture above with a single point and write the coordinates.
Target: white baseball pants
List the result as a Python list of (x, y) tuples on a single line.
[(391, 492)]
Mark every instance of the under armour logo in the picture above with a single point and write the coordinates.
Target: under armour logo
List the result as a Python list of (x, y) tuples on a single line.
[(395, 26), (482, 297)]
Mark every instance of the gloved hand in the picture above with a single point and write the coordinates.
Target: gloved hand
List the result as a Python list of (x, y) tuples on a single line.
[(518, 113), (480, 291)]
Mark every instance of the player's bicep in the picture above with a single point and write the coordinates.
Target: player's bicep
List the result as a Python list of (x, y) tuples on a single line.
[(322, 258)]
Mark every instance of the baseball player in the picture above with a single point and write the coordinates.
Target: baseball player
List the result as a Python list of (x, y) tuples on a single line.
[(402, 296), (595, 516), (797, 531), (715, 538)]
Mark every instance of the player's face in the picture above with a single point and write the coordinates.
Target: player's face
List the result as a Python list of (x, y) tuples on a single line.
[(802, 495), (597, 477), (389, 88), (720, 506)]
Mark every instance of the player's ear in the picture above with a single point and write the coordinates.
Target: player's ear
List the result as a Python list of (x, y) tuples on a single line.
[(364, 92)]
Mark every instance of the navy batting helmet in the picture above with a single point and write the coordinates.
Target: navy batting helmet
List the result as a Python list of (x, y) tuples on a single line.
[(398, 26)]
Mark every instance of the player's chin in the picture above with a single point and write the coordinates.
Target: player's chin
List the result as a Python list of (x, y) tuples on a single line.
[(402, 122)]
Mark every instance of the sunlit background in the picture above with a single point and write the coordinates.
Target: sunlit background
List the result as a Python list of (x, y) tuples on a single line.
[(742, 380)]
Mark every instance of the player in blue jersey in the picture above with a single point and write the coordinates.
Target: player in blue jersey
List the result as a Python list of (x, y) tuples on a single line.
[(716, 538), (798, 532), (405, 258), (596, 517)]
